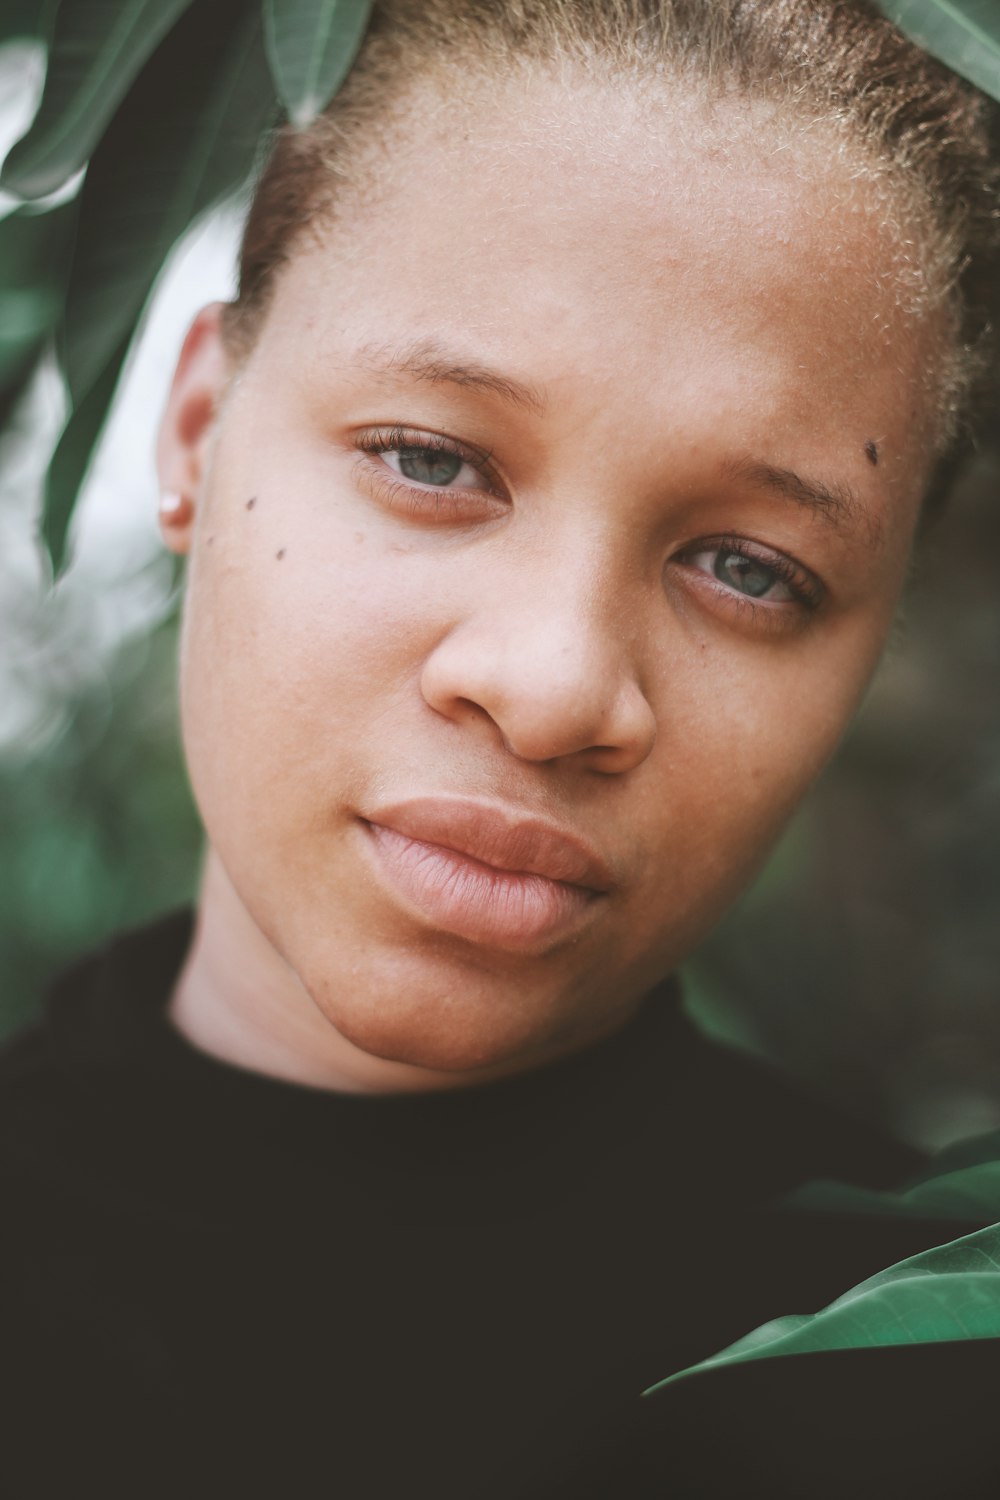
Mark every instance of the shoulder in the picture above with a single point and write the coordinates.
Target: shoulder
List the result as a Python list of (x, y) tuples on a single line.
[(66, 1079)]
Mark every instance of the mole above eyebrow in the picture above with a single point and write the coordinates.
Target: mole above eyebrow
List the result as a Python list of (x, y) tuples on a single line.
[(837, 504), (428, 360)]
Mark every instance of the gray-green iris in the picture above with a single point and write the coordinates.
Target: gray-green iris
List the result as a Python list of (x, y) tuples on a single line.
[(744, 574), (429, 466)]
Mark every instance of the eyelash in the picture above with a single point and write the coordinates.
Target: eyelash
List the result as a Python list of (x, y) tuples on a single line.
[(807, 593), (412, 495), (806, 590)]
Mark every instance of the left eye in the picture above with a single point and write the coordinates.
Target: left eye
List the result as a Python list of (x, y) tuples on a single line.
[(749, 576), (773, 579), (438, 467)]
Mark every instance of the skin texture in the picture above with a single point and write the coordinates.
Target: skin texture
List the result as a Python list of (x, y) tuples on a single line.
[(681, 304)]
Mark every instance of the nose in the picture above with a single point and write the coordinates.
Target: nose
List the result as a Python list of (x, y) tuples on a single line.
[(553, 672)]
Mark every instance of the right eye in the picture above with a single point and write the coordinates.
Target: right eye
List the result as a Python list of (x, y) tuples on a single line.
[(428, 476), (439, 467)]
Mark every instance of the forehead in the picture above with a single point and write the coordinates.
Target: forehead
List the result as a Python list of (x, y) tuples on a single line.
[(608, 244)]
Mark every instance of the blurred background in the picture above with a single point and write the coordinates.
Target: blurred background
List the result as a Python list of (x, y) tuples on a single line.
[(867, 956), (97, 827)]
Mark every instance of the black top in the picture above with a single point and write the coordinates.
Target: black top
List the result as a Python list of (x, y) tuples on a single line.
[(218, 1283)]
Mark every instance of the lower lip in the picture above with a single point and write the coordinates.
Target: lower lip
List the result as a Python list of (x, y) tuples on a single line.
[(458, 894)]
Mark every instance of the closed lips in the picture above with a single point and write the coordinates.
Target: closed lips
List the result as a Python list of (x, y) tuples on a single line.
[(498, 838), (483, 875)]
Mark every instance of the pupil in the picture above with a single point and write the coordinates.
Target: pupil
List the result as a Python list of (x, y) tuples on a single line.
[(427, 466), (744, 574)]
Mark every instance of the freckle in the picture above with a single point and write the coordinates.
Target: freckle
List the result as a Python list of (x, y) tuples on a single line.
[(280, 554), (251, 502), (871, 452), (210, 540), (359, 536)]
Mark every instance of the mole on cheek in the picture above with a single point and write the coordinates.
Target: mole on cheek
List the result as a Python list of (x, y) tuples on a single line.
[(871, 452), (251, 502), (280, 554)]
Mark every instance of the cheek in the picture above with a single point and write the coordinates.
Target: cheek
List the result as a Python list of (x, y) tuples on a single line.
[(290, 662), (772, 729), (744, 732)]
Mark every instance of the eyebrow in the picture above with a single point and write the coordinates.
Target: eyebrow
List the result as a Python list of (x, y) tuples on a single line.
[(430, 361), (837, 504)]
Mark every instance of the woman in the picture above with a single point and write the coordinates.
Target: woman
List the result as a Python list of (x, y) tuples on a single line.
[(547, 496)]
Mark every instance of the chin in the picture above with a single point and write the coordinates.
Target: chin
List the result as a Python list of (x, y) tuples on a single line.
[(452, 1030)]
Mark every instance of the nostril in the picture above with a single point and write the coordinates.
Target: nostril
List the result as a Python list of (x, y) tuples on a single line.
[(539, 695), (615, 760)]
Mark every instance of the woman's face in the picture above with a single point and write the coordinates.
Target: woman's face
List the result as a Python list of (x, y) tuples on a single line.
[(543, 548)]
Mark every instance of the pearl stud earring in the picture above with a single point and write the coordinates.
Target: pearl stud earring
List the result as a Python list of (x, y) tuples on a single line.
[(175, 509)]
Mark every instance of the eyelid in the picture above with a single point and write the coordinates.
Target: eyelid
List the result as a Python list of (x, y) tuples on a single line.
[(808, 590), (376, 440), (426, 504)]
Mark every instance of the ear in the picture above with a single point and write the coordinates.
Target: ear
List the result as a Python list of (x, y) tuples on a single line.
[(202, 374)]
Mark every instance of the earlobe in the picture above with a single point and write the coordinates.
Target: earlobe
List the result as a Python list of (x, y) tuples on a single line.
[(176, 519), (203, 371)]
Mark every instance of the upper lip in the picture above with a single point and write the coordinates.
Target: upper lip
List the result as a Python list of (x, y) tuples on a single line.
[(497, 835)]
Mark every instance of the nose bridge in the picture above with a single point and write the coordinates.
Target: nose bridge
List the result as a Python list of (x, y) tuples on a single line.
[(576, 632), (546, 651)]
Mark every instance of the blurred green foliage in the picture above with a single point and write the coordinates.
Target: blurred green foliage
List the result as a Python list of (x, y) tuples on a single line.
[(965, 34), (158, 154), (35, 255), (98, 830)]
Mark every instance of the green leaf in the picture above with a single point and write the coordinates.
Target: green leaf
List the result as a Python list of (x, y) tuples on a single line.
[(962, 1182), (35, 245), (26, 18), (25, 318), (968, 1152), (170, 153), (12, 391), (311, 45), (72, 458), (972, 1193), (963, 34), (34, 261), (97, 48), (950, 1292)]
